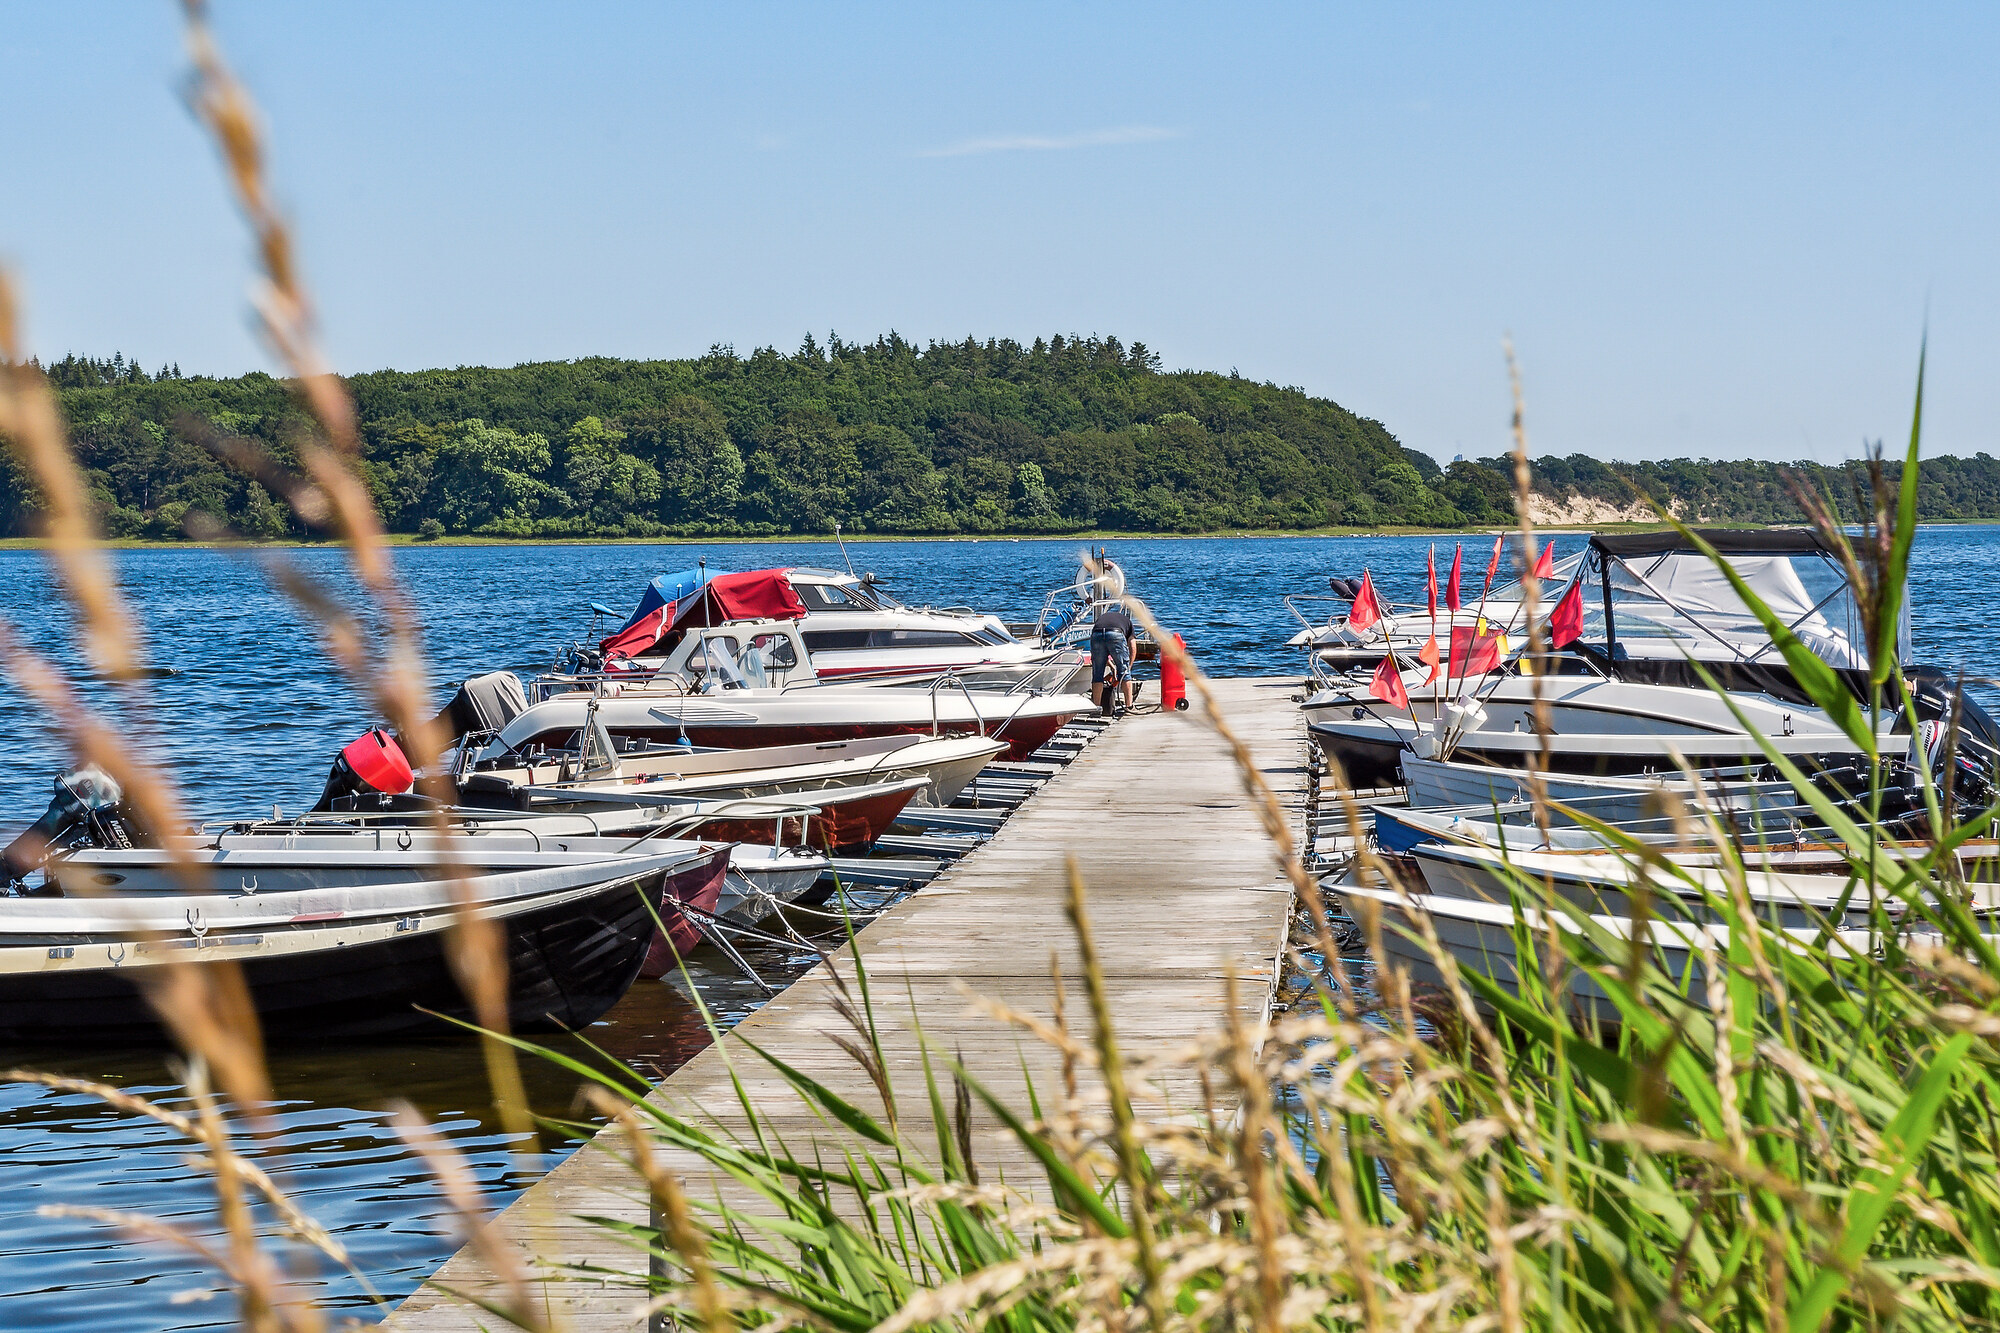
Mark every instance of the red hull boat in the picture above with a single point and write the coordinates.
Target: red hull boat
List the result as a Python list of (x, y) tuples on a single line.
[(700, 887)]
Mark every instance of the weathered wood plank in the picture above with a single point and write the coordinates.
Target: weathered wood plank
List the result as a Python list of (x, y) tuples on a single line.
[(1183, 887)]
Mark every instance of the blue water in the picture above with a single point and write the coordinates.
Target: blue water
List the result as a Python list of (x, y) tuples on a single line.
[(250, 717)]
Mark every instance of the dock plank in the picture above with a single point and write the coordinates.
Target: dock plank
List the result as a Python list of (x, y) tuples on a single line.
[(1182, 884)]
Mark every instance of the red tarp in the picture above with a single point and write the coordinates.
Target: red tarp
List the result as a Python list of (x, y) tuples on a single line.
[(758, 594)]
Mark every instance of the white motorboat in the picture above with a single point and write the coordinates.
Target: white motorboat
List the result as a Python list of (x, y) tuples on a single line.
[(1482, 937), (1639, 818), (945, 764), (1797, 885), (751, 683), (843, 820), (1635, 701), (763, 879), (857, 630), (853, 630), (599, 802), (1434, 783), (1337, 645), (339, 932)]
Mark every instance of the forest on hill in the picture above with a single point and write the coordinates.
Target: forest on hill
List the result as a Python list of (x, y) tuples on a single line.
[(1066, 435)]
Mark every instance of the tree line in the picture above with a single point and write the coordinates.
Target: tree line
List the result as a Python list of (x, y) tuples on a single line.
[(1065, 434)]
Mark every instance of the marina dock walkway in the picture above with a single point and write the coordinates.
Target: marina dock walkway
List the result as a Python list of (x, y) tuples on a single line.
[(1181, 884)]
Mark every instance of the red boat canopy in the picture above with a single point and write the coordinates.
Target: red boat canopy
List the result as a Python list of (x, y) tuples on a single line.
[(758, 594)]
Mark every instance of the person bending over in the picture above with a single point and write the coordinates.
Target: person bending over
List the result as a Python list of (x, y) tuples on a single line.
[(1111, 640)]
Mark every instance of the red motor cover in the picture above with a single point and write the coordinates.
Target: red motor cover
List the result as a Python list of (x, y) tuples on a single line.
[(378, 761)]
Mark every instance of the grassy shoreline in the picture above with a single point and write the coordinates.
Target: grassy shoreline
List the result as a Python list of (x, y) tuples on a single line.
[(862, 539)]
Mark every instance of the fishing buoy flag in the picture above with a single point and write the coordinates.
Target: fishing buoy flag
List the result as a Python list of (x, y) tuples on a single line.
[(1566, 621), (1366, 610), (1388, 684)]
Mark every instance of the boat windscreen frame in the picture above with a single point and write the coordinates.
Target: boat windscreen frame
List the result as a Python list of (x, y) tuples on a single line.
[(1606, 550)]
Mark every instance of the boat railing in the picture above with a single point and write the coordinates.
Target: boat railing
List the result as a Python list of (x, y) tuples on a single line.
[(979, 721), (356, 823), (597, 683), (1293, 600), (951, 679), (912, 677), (1052, 623), (779, 812), (1057, 671), (1015, 712)]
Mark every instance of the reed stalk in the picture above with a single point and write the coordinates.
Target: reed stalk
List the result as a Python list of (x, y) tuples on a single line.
[(1790, 1134), (336, 495)]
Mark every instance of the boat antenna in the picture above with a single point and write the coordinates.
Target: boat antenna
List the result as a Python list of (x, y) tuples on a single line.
[(843, 548)]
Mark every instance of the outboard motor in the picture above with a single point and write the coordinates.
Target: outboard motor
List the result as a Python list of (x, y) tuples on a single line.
[(485, 703), (1961, 738), (365, 770), (88, 811)]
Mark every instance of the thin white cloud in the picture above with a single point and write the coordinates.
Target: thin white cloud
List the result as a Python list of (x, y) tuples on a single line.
[(1049, 143)]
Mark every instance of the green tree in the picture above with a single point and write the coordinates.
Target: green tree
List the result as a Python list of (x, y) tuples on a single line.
[(261, 516), (699, 465), (489, 479), (804, 472), (1033, 503), (608, 489), (898, 490)]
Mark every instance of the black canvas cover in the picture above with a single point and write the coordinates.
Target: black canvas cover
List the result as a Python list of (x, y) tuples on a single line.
[(484, 703), (1726, 541)]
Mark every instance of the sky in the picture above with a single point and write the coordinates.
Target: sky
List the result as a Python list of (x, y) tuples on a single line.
[(1709, 231)]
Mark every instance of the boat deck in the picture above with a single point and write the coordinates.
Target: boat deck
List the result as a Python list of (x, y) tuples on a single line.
[(1182, 884)]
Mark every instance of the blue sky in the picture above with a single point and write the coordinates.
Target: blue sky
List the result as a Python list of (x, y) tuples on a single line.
[(1712, 231)]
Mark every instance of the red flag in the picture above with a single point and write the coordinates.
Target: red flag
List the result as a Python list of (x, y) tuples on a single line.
[(1431, 575), (1545, 563), (1492, 567), (1566, 621), (1473, 653), (1366, 610), (1451, 588), (1429, 657), (1388, 684)]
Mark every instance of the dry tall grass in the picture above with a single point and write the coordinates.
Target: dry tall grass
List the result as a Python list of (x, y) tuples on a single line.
[(1783, 1137), (207, 1007)]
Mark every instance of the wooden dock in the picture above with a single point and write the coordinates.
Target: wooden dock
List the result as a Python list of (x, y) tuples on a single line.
[(1182, 885)]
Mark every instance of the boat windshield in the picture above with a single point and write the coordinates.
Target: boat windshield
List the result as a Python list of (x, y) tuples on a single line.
[(845, 594), (724, 657), (831, 597), (1677, 603)]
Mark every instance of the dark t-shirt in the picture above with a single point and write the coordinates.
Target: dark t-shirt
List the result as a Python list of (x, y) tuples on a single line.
[(1112, 621)]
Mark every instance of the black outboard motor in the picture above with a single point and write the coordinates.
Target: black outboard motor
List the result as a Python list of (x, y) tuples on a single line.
[(366, 769), (88, 811), (1961, 738), (484, 703)]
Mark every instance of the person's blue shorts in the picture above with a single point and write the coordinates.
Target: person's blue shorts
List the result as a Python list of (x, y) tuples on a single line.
[(1116, 648)]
